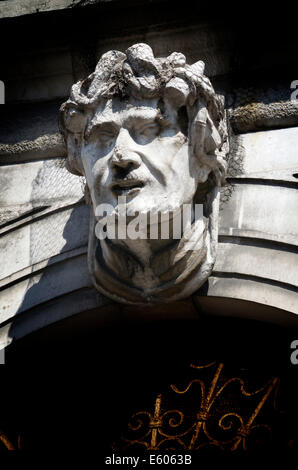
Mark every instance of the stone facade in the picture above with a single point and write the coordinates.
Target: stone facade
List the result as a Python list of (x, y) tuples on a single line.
[(43, 231), (113, 358)]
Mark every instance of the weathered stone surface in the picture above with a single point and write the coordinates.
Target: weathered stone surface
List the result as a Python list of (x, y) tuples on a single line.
[(244, 220), (261, 211), (46, 146), (30, 133), (42, 187), (45, 181), (43, 286), (58, 309), (255, 109), (161, 148), (268, 155), (257, 258), (43, 238), (258, 230), (258, 291), (264, 260), (11, 8)]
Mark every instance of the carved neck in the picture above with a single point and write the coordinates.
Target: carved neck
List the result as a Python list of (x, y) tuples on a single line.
[(152, 271), (157, 239), (146, 263)]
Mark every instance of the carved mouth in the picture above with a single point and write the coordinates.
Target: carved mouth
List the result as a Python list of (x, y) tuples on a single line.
[(126, 187)]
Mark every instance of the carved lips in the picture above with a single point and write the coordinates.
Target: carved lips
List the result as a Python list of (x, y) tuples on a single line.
[(127, 186)]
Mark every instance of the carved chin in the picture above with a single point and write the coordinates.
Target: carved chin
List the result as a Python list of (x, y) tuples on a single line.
[(172, 273)]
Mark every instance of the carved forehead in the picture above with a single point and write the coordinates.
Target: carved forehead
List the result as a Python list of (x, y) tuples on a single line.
[(120, 112), (130, 85)]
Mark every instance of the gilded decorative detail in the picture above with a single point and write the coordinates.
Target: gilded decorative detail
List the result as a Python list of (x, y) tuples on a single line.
[(7, 444), (208, 419)]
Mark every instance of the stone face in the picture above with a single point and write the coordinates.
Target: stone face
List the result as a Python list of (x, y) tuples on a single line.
[(43, 224), (149, 136)]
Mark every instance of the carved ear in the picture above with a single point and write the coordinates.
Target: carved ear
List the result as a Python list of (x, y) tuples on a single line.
[(72, 124), (198, 127), (74, 119), (73, 146), (205, 139), (212, 137), (198, 135)]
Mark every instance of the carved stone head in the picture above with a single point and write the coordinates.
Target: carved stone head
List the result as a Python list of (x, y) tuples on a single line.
[(148, 134)]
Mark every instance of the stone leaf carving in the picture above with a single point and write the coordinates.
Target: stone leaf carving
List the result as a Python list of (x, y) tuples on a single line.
[(149, 136)]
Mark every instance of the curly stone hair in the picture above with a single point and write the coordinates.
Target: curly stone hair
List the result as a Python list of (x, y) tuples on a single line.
[(172, 82)]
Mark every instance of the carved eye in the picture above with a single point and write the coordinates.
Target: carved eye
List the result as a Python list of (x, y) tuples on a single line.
[(106, 137), (147, 132), (150, 128)]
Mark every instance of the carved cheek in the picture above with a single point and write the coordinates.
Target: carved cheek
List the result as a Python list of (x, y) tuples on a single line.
[(100, 169), (92, 159), (175, 150)]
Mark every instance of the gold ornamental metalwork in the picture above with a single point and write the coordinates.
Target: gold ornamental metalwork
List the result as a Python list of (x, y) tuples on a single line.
[(209, 410), (8, 444)]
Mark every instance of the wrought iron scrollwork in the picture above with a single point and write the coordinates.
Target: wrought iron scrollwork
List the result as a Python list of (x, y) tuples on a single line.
[(209, 418), (6, 443)]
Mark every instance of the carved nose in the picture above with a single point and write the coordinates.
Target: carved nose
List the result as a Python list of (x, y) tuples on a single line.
[(125, 159)]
